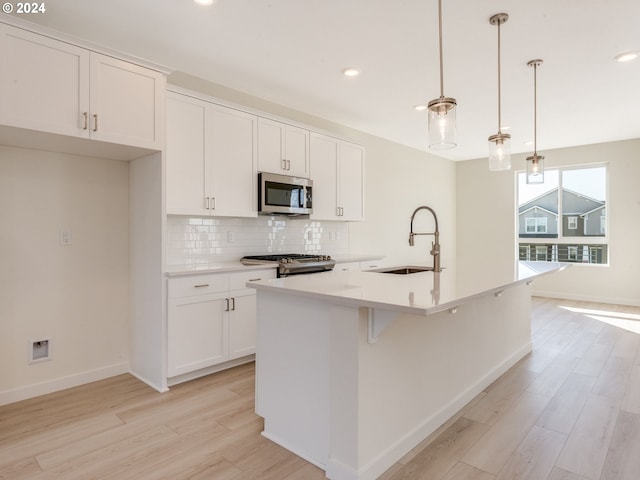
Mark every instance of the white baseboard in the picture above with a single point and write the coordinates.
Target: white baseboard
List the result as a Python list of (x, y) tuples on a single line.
[(588, 298), (62, 383)]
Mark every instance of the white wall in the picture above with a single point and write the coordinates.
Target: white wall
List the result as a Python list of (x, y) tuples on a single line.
[(397, 180), (487, 231), (77, 295)]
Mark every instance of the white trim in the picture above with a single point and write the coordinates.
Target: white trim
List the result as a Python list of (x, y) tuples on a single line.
[(62, 383), (66, 38), (631, 302)]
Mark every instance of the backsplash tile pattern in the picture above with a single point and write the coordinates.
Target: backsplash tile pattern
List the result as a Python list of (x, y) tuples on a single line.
[(205, 240)]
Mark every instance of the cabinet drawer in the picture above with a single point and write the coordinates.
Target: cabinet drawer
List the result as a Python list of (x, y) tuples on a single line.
[(238, 280), (198, 285)]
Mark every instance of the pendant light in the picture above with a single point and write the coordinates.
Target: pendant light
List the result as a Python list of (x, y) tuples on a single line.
[(535, 162), (500, 143), (442, 110)]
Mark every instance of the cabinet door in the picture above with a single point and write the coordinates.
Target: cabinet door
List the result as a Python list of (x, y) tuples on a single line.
[(296, 151), (242, 323), (44, 83), (270, 146), (282, 148), (127, 103), (231, 163), (185, 151), (350, 181), (323, 153), (197, 333)]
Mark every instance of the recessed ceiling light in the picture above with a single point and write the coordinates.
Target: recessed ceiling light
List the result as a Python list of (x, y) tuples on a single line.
[(204, 2), (351, 72), (420, 108), (626, 56)]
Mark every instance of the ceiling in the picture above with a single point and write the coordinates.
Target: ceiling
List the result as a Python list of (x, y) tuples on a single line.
[(292, 52)]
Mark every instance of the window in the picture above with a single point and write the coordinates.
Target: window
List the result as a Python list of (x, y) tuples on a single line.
[(536, 225), (565, 218), (541, 253)]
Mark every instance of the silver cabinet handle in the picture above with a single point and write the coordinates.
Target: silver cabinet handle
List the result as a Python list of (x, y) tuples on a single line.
[(254, 279), (213, 203), (233, 303), (202, 285), (226, 304), (95, 122), (284, 164), (206, 203), (86, 120), (288, 164)]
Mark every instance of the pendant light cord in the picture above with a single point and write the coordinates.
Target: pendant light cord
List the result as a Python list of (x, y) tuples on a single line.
[(535, 109), (440, 43), (499, 85)]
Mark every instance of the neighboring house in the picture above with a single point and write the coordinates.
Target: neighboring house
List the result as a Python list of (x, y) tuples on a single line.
[(582, 216)]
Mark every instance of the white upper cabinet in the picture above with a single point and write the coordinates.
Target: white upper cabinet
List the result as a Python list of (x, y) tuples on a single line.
[(350, 179), (211, 159), (323, 152), (126, 103), (230, 168), (337, 170), (44, 83), (185, 152), (55, 87), (282, 148)]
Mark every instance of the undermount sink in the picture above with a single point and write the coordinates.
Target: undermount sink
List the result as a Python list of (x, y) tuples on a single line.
[(405, 270)]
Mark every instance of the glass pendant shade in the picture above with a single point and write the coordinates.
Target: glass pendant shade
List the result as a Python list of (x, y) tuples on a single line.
[(499, 152), (535, 169), (442, 123)]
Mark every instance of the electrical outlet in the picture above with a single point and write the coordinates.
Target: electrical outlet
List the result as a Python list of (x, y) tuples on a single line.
[(66, 238), (231, 237)]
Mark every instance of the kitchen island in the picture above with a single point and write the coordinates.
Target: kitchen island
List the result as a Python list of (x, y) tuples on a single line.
[(355, 368)]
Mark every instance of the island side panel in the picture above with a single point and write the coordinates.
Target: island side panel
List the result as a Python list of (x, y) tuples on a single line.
[(422, 370), (292, 374)]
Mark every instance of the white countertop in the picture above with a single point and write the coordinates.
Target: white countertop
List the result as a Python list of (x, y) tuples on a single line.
[(204, 268), (422, 293)]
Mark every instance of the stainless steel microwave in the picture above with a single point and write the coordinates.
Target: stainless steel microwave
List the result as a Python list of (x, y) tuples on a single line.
[(284, 195)]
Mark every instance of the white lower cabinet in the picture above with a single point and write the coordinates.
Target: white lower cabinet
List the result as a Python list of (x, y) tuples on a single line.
[(211, 319)]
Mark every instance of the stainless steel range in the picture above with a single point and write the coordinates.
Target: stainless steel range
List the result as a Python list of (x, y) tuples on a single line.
[(292, 263)]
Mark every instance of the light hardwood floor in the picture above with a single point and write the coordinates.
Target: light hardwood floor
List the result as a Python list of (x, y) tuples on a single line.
[(568, 411)]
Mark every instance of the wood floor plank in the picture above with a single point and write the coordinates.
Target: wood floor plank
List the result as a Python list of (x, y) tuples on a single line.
[(501, 395), (588, 443), (612, 381), (631, 399), (496, 446), (535, 457), (113, 458), (593, 360), (434, 461), (562, 412), (551, 379), (462, 471), (623, 459), (57, 436), (560, 474)]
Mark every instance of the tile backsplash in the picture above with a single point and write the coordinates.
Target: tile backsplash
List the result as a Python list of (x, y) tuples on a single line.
[(205, 240)]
